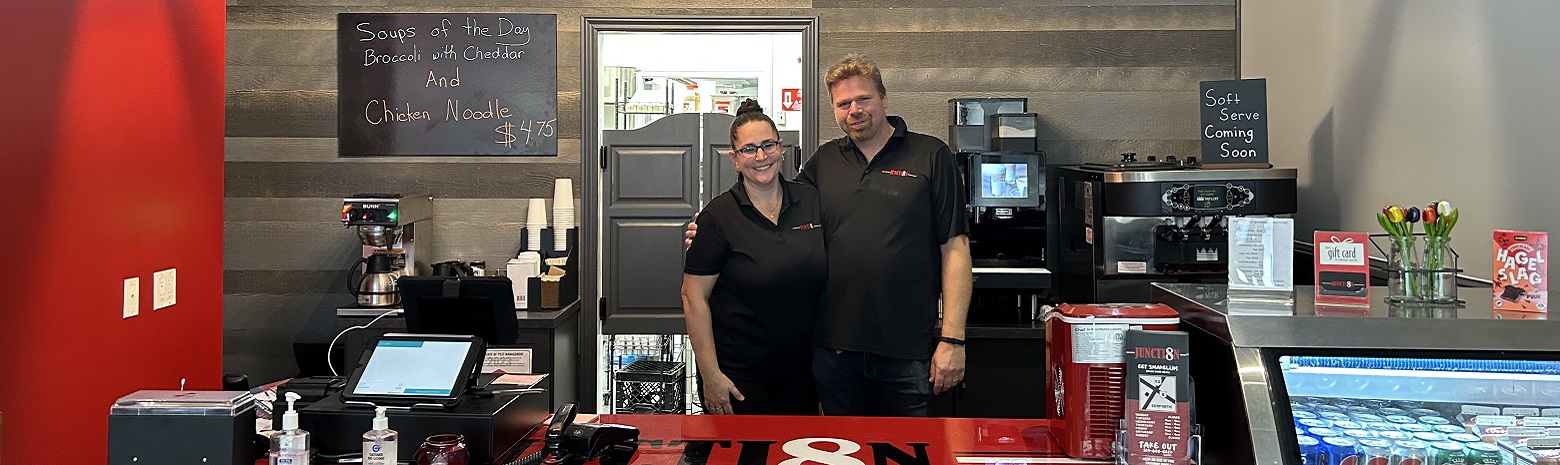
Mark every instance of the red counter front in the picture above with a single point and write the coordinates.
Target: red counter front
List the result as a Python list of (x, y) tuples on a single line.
[(761, 440)]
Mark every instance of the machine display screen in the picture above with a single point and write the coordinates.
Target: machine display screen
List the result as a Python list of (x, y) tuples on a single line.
[(1004, 180), (1209, 197)]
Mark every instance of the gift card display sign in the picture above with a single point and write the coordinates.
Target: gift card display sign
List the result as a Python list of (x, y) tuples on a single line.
[(1342, 268), (1521, 271)]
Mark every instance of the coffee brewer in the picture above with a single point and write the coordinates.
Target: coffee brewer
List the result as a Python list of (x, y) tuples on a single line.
[(1115, 228), (386, 227)]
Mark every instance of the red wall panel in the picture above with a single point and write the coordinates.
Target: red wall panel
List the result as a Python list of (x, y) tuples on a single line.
[(110, 167)]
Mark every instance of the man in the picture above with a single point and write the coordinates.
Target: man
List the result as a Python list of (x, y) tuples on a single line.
[(897, 237), (897, 234)]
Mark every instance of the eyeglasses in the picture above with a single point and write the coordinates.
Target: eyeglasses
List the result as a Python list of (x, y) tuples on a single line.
[(769, 146)]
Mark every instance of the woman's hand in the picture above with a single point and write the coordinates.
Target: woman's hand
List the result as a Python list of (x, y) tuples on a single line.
[(718, 392)]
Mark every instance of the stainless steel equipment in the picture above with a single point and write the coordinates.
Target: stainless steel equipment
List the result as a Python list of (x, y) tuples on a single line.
[(1259, 357), (387, 226), (1113, 229), (376, 287)]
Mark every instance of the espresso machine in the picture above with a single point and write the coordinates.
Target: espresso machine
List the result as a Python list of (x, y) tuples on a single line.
[(387, 227), (1115, 228)]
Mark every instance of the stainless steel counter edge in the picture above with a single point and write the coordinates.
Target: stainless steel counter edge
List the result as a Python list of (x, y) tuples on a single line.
[(1197, 175), (1329, 332)]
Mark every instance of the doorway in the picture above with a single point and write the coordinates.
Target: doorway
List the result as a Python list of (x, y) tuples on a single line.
[(669, 85)]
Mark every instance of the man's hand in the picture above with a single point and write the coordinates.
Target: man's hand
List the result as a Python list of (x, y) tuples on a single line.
[(718, 392), (947, 367), (693, 230)]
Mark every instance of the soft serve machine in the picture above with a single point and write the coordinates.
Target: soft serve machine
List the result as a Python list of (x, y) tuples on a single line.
[(1115, 228)]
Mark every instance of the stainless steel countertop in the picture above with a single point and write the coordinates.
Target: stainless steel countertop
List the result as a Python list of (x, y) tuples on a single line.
[(1293, 319)]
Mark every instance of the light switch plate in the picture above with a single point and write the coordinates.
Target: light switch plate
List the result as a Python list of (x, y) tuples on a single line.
[(132, 305), (164, 288)]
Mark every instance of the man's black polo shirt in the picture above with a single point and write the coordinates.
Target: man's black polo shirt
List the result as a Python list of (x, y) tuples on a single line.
[(886, 223), (764, 303)]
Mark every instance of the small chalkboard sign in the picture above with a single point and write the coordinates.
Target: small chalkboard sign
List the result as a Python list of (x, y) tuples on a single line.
[(1234, 122), (447, 84)]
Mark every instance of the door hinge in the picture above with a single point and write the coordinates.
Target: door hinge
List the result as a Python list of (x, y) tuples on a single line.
[(603, 157), (601, 309)]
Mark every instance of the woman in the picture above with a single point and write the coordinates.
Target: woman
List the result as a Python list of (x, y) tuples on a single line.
[(752, 280)]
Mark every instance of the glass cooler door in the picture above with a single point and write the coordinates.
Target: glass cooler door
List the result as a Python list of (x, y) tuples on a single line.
[(1422, 411)]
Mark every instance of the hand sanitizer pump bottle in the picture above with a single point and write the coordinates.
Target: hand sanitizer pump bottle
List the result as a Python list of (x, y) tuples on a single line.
[(290, 446), (379, 444)]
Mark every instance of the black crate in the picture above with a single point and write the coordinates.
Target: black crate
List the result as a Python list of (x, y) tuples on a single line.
[(649, 386)]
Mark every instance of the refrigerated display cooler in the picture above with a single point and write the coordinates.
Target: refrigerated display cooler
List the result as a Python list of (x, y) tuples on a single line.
[(1284, 381)]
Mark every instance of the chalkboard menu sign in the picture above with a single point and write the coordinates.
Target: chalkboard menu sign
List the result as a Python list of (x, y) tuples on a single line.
[(447, 84), (1234, 122)]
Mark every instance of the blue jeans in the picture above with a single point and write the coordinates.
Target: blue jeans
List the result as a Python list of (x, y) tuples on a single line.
[(863, 384)]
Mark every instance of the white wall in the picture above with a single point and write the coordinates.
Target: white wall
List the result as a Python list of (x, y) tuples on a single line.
[(1405, 102)]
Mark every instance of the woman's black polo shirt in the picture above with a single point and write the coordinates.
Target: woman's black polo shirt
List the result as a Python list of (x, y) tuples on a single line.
[(771, 277)]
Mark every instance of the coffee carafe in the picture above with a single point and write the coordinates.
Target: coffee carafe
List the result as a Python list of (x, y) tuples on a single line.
[(376, 287)]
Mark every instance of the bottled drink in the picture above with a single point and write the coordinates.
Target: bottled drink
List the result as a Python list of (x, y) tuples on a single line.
[(1339, 451), (1400, 419), (1357, 434), (1482, 453), (1310, 451), (1324, 433), (1374, 451), (1409, 453), (1434, 420), (1447, 453)]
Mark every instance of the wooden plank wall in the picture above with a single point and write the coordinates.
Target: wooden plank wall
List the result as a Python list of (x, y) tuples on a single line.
[(1105, 76)]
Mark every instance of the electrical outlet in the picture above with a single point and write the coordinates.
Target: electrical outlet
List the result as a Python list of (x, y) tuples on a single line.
[(164, 288), (132, 306)]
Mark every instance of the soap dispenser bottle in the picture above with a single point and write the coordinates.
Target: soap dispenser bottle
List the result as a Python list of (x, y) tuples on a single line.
[(290, 446), (379, 444)]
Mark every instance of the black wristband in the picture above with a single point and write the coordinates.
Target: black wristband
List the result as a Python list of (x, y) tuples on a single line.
[(951, 340)]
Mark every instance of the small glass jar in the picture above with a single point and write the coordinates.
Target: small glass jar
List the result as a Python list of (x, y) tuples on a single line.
[(443, 449), (1403, 270)]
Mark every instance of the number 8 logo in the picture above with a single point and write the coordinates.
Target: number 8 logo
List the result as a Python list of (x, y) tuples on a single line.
[(804, 452)]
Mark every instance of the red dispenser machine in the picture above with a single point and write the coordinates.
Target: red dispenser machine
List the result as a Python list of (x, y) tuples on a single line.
[(1085, 371)]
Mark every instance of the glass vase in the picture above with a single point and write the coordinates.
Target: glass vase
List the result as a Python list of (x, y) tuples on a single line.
[(1401, 266), (1421, 272), (1440, 278)]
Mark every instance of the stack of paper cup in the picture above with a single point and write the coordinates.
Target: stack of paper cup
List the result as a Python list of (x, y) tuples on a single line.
[(535, 222), (563, 213)]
